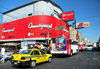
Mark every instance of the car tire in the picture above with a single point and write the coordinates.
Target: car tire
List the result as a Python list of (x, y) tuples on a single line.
[(33, 64), (50, 59)]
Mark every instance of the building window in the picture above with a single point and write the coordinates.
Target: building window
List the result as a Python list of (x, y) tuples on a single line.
[(30, 14), (56, 13), (52, 14)]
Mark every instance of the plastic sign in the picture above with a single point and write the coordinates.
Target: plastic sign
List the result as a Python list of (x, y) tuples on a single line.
[(82, 24), (8, 30), (60, 27), (31, 28), (39, 26), (67, 16)]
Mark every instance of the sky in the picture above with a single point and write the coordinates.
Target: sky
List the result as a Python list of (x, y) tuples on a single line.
[(85, 10)]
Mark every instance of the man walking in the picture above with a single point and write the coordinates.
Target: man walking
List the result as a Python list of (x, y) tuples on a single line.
[(3, 55)]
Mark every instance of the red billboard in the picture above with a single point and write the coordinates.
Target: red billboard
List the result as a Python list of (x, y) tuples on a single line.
[(34, 27), (67, 16)]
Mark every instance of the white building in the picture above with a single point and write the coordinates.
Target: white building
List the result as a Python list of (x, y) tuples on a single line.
[(39, 7)]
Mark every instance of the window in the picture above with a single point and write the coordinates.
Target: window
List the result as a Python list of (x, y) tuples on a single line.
[(30, 14), (52, 14), (31, 53), (25, 52), (42, 53), (56, 13), (74, 43), (36, 53)]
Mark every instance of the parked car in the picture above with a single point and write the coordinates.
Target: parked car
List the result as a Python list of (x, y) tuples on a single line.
[(89, 47), (30, 57)]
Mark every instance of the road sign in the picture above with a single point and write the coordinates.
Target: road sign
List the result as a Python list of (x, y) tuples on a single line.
[(60, 27)]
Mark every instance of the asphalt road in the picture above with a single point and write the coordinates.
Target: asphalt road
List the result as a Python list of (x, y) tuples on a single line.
[(82, 60)]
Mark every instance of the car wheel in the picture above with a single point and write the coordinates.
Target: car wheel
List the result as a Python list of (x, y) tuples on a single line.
[(33, 64), (50, 59)]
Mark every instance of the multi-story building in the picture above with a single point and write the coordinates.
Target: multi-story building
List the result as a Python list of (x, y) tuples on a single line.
[(31, 22)]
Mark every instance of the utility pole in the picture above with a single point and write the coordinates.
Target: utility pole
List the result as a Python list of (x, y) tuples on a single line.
[(48, 34)]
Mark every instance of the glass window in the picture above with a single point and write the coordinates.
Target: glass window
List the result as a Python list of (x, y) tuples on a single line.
[(30, 14), (56, 13), (42, 53), (25, 52), (36, 53), (52, 14), (32, 53)]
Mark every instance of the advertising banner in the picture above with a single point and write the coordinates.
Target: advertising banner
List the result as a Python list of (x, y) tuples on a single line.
[(82, 24), (79, 37), (31, 28), (67, 16), (73, 34)]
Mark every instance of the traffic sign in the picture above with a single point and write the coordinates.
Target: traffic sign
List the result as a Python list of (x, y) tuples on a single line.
[(60, 27)]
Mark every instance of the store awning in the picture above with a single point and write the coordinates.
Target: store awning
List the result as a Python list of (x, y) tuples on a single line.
[(10, 44)]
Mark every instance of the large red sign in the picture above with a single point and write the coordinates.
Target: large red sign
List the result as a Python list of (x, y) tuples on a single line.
[(67, 16), (36, 27)]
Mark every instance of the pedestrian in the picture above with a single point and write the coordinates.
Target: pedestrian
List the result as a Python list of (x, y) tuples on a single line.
[(3, 54), (37, 46), (42, 46), (50, 46), (16, 51)]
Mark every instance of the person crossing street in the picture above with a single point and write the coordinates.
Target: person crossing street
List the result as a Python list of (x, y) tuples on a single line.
[(3, 54)]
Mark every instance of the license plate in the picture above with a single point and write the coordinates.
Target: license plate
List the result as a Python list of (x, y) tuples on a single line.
[(15, 62)]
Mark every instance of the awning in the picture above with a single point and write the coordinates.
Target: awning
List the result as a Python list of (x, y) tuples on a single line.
[(10, 44)]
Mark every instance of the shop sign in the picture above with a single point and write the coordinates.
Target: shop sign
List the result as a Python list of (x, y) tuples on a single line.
[(8, 30), (24, 44), (67, 16), (31, 42), (82, 24), (39, 26)]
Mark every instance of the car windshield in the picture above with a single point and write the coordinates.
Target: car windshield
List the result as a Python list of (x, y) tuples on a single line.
[(25, 52)]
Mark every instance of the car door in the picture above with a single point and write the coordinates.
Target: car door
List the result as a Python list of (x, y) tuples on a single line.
[(37, 56), (44, 56)]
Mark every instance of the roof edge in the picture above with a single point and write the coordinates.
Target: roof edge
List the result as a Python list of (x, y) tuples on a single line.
[(30, 4)]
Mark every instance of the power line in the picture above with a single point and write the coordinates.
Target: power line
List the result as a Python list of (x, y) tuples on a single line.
[(9, 15), (8, 9), (89, 17)]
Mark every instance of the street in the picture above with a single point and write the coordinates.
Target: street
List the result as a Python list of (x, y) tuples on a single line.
[(82, 60)]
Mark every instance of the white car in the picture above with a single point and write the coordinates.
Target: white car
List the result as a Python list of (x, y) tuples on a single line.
[(89, 47)]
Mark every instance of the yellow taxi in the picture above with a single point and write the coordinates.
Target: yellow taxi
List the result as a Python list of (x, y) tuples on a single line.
[(31, 57)]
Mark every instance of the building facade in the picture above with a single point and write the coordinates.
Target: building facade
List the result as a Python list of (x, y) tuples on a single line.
[(40, 7), (33, 22)]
